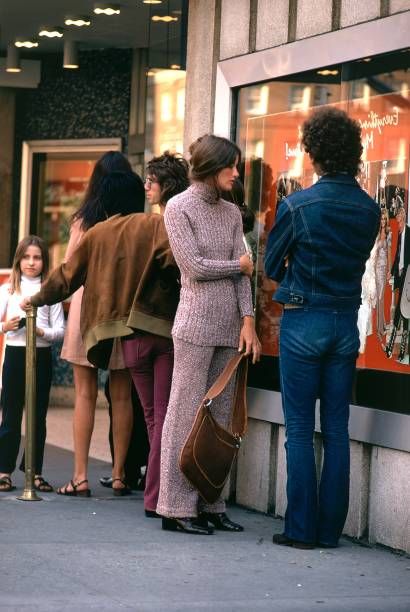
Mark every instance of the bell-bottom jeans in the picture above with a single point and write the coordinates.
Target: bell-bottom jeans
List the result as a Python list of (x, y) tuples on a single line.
[(318, 351)]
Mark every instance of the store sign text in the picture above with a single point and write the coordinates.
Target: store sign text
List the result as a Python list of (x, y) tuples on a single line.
[(376, 122)]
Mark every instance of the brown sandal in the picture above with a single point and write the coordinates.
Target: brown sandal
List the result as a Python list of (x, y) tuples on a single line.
[(120, 491), (43, 486), (74, 492), (6, 485)]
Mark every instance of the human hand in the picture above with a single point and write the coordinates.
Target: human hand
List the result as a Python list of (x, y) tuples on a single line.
[(246, 265), (25, 304), (248, 339), (39, 332), (11, 324)]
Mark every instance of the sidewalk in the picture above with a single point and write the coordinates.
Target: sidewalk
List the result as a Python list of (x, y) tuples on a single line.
[(103, 554)]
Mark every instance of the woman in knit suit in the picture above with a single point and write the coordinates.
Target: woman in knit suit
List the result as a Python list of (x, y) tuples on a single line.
[(214, 319)]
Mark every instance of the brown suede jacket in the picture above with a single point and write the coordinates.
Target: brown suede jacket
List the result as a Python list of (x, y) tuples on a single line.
[(130, 282)]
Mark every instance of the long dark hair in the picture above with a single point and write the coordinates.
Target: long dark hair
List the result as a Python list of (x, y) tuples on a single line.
[(210, 154), (91, 211), (122, 193), (15, 276)]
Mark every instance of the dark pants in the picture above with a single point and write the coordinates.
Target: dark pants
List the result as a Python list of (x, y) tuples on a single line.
[(150, 360), (137, 454), (318, 351), (13, 396)]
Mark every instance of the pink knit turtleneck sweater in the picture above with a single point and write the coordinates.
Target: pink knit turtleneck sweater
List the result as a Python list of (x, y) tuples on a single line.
[(205, 234)]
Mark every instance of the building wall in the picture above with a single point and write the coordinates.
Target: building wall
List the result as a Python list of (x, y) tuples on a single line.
[(227, 28), (7, 107), (91, 102), (378, 513)]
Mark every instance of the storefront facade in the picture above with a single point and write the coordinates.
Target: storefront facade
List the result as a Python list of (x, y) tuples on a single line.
[(260, 75)]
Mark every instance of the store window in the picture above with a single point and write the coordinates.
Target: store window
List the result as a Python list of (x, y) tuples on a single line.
[(165, 112), (375, 91)]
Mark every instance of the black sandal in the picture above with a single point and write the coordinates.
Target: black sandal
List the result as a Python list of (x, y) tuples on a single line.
[(74, 492), (43, 486), (6, 485), (120, 492)]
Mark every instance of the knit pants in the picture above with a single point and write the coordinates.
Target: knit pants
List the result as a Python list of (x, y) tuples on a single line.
[(195, 370)]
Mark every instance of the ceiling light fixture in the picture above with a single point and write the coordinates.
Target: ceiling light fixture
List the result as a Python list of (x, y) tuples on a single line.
[(13, 59), (327, 72), (165, 18), (53, 32), (106, 8), (70, 55), (28, 44), (77, 20), (151, 1)]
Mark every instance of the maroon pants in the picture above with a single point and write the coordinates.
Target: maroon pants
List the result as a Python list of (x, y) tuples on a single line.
[(150, 360)]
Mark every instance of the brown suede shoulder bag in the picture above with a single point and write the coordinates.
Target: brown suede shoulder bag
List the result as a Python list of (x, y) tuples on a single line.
[(210, 449)]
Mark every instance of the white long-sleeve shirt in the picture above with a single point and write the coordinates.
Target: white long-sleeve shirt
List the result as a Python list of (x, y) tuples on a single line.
[(49, 318)]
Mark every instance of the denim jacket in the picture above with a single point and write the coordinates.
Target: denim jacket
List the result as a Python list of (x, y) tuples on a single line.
[(320, 242)]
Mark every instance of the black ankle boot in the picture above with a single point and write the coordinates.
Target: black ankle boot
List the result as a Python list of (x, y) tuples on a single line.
[(220, 521), (188, 525)]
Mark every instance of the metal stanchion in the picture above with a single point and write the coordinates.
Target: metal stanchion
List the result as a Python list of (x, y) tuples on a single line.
[(29, 493)]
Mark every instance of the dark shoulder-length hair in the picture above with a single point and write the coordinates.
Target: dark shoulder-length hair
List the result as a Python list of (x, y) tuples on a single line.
[(15, 276), (171, 172), (121, 193), (333, 141), (210, 154), (91, 211)]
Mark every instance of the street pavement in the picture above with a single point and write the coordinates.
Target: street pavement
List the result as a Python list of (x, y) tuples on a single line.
[(103, 554)]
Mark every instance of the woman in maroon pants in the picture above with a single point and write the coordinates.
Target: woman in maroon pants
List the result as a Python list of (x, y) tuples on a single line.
[(150, 357)]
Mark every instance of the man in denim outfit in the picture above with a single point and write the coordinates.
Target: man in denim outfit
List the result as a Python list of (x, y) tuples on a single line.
[(317, 251)]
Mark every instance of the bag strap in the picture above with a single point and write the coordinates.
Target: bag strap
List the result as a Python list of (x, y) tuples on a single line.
[(239, 412)]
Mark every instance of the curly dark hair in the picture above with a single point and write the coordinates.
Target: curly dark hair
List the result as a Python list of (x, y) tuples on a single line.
[(333, 141), (171, 172)]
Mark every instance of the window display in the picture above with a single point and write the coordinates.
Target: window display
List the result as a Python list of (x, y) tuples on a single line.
[(376, 92)]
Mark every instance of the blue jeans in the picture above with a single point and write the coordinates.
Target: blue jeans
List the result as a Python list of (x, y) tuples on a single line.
[(318, 351)]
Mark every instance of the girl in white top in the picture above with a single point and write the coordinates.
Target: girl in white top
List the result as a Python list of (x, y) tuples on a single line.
[(30, 268)]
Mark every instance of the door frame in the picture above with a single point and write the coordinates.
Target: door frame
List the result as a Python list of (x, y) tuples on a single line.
[(30, 147)]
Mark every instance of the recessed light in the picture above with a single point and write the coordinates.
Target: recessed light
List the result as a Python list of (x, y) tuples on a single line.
[(29, 44), (151, 1), (53, 32), (13, 59), (165, 18), (327, 72), (77, 20), (70, 55), (106, 8)]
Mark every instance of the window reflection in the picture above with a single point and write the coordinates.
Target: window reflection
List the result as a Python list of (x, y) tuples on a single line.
[(165, 111), (376, 92)]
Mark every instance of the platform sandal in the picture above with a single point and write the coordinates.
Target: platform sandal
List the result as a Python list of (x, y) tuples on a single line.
[(120, 492), (75, 492)]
